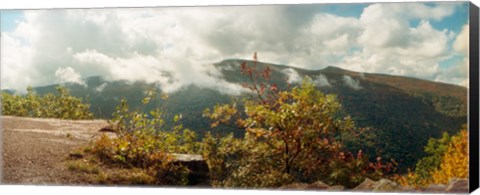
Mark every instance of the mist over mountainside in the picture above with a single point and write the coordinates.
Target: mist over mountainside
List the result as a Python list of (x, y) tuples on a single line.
[(402, 113)]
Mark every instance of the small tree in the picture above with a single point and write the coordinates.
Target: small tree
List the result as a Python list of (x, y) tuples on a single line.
[(448, 158), (296, 132), (455, 161)]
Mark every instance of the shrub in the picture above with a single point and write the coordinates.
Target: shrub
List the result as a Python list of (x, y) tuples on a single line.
[(62, 105), (132, 176), (141, 142), (241, 163)]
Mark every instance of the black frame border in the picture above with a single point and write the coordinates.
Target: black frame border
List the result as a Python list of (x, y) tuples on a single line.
[(473, 114)]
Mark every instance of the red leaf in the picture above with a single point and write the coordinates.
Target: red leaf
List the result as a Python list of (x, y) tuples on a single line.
[(273, 87)]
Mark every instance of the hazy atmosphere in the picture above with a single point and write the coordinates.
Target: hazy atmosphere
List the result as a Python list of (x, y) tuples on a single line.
[(174, 46)]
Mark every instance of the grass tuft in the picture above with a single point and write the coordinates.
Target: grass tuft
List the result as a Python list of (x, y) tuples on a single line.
[(81, 166)]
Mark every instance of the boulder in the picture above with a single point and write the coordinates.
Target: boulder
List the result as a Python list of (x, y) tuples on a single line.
[(435, 188), (318, 185), (385, 185), (366, 185), (457, 185), (295, 186), (408, 189), (336, 188), (199, 172), (76, 155), (108, 128)]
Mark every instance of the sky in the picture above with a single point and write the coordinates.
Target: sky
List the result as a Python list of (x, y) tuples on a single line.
[(174, 46)]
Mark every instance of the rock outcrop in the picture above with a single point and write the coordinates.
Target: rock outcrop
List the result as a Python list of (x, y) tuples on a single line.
[(436, 188), (457, 185), (294, 186), (318, 185), (198, 167), (366, 185), (384, 185)]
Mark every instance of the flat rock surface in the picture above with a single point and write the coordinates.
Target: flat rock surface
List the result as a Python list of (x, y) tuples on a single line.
[(34, 150)]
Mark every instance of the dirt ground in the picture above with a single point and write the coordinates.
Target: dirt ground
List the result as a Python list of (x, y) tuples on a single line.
[(35, 150)]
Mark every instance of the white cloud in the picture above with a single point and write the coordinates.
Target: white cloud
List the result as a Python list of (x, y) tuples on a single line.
[(387, 26), (174, 47), (391, 19), (292, 75), (321, 81), (462, 40), (153, 45), (324, 41), (352, 83), (101, 87), (338, 44), (423, 11), (170, 74), (458, 73), (69, 75), (389, 44), (16, 58)]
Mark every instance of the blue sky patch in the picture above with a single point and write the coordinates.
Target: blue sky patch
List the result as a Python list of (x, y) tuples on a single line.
[(346, 10), (10, 19), (454, 22)]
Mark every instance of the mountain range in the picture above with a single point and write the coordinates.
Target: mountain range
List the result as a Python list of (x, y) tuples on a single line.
[(400, 113)]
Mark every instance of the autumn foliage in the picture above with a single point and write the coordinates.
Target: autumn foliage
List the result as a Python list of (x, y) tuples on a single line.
[(290, 136), (448, 159), (297, 134), (455, 161), (142, 142)]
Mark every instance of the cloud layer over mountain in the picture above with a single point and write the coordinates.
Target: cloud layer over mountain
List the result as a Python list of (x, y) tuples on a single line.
[(174, 47)]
